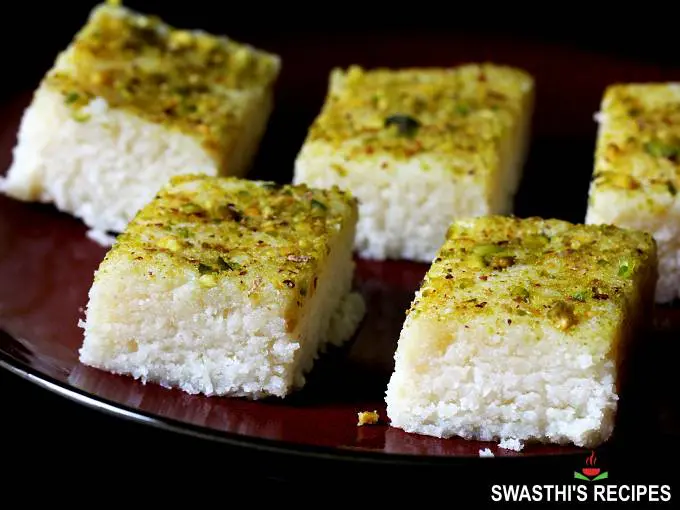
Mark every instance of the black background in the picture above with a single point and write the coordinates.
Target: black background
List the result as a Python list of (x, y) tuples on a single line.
[(47, 438), (33, 31)]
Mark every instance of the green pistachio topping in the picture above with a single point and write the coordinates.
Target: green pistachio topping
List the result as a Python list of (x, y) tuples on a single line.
[(536, 272), (248, 233)]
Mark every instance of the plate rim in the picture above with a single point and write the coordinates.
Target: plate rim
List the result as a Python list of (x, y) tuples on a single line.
[(263, 445)]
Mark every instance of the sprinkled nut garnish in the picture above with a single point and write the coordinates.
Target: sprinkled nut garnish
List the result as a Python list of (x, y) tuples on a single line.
[(71, 97), (80, 116), (562, 314), (271, 185), (180, 39), (169, 243), (462, 109), (484, 250), (99, 78), (624, 181), (205, 269), (207, 280), (493, 256), (367, 418), (231, 211), (660, 149), (405, 124), (579, 296), (501, 261), (613, 150), (520, 294), (598, 292), (463, 283), (319, 204), (190, 208), (225, 265), (625, 268)]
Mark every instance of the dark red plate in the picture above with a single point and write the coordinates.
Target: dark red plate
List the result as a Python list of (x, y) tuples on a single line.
[(47, 264)]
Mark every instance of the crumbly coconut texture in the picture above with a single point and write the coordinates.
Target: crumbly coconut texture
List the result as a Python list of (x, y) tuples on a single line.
[(520, 330), (637, 170), (418, 148), (132, 102), (225, 286)]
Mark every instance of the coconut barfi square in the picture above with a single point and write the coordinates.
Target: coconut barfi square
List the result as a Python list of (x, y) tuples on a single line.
[(520, 331), (636, 175), (226, 286), (420, 147), (131, 102)]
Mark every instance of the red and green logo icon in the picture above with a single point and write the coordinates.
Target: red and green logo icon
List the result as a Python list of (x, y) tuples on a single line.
[(591, 473)]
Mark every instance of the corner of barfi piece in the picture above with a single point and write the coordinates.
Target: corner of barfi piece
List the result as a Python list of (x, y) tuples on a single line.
[(228, 286), (520, 330), (132, 101), (636, 175), (177, 77), (419, 147)]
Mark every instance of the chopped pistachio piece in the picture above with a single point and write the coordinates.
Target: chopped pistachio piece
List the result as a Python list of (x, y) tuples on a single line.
[(405, 124), (580, 296), (661, 149), (562, 314)]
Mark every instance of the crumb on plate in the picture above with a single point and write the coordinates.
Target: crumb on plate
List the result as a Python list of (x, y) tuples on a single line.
[(511, 444), (367, 418)]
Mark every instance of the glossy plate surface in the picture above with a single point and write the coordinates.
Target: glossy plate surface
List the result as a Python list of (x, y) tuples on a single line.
[(47, 264)]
